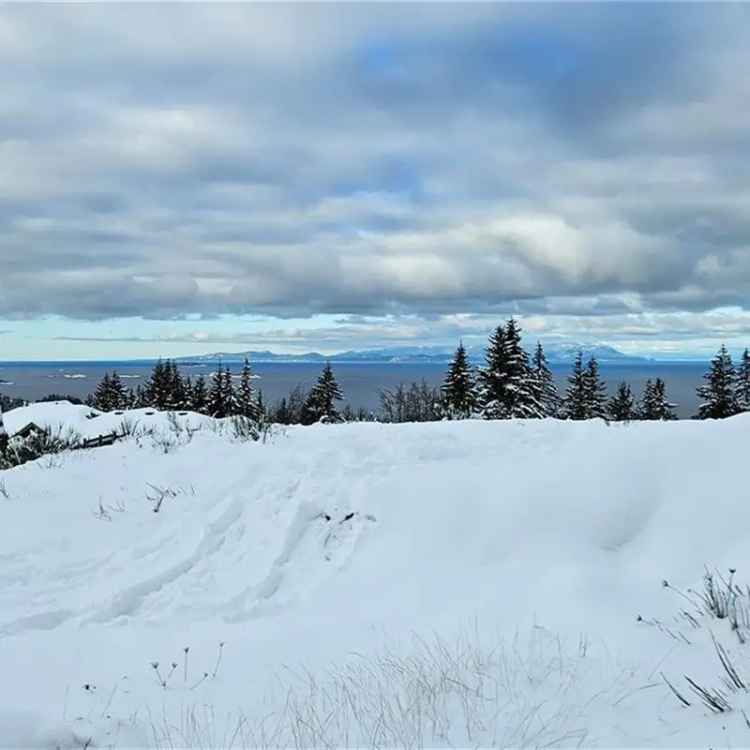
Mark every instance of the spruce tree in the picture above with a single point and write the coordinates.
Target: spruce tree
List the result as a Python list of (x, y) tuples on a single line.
[(4, 439), (575, 404), (492, 377), (596, 391), (296, 405), (663, 409), (546, 387), (281, 414), (109, 394), (246, 402), (199, 395), (187, 385), (459, 387), (522, 398), (217, 405), (158, 390), (176, 394), (742, 387), (621, 405), (119, 394), (141, 397), (321, 401), (260, 406), (229, 394), (647, 408), (654, 403), (718, 394)]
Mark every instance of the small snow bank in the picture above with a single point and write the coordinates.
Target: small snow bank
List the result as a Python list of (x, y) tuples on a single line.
[(88, 422), (26, 730), (340, 550)]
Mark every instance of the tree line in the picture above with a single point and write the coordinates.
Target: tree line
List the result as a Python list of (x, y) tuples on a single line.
[(220, 397), (510, 384), (513, 385)]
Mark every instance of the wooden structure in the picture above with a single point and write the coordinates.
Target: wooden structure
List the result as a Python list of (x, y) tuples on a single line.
[(27, 430)]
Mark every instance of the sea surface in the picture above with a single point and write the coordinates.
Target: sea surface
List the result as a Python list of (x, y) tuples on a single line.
[(361, 382)]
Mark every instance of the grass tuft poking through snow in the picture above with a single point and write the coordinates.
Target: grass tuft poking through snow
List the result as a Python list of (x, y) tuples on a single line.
[(717, 618), (529, 692)]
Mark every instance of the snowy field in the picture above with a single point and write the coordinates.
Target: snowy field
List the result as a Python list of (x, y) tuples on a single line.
[(443, 584)]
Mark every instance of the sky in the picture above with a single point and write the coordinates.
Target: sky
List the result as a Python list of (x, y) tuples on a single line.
[(177, 179)]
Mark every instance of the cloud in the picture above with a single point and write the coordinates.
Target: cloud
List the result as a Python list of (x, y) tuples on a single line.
[(583, 162)]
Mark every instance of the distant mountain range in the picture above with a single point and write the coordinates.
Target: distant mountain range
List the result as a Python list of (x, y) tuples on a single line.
[(556, 354)]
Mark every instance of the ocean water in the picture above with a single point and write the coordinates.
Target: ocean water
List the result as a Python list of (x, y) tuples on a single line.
[(361, 383)]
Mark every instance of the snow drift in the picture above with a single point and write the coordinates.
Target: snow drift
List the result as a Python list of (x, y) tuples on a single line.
[(333, 543)]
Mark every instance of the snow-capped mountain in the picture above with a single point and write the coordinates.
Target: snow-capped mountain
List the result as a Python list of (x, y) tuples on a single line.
[(556, 353)]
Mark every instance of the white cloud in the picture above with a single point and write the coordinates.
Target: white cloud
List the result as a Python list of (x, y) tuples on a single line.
[(163, 161)]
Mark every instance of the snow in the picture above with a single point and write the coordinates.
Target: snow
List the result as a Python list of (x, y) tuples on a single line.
[(333, 543)]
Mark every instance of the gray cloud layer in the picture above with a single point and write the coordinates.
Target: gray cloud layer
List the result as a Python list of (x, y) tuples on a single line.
[(373, 159)]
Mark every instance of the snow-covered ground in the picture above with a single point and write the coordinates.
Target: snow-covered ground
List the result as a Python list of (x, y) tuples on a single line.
[(467, 583)]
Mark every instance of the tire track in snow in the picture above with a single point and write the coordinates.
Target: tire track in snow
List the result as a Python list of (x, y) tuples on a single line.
[(315, 546), (130, 600)]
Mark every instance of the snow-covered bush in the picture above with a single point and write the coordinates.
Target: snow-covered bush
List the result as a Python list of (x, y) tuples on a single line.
[(245, 428), (38, 443)]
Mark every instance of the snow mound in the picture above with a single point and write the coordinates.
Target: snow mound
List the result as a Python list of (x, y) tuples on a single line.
[(88, 422), (333, 540)]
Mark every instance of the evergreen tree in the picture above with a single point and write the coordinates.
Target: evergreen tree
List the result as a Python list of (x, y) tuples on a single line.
[(546, 387), (647, 408), (177, 397), (654, 403), (742, 387), (662, 408), (621, 405), (111, 394), (508, 388), (199, 395), (3, 434), (103, 394), (596, 391), (187, 385), (217, 403), (229, 394), (492, 377), (295, 405), (321, 401), (575, 404), (141, 398), (459, 387), (158, 390), (522, 396), (119, 396), (246, 402), (281, 414), (719, 394)]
